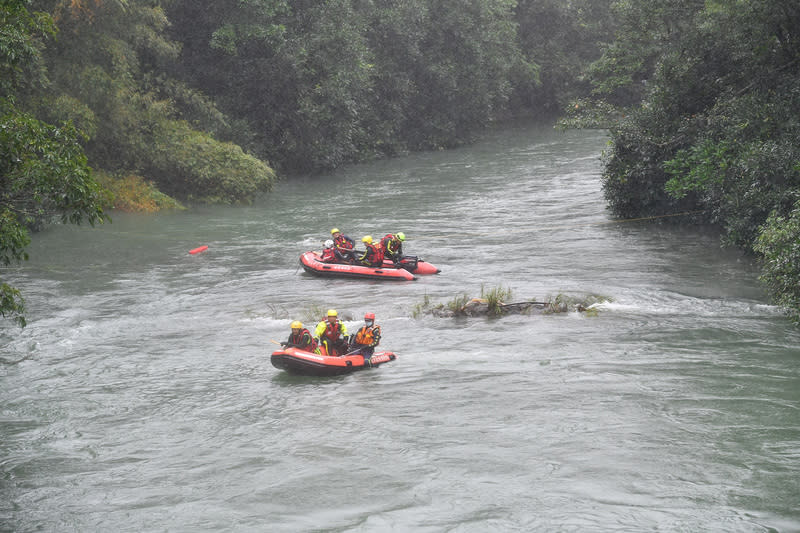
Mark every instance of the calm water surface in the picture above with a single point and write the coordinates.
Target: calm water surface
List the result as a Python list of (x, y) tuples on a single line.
[(141, 397)]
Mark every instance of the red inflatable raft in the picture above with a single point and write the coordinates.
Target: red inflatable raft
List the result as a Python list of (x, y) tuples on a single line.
[(413, 265), (312, 263), (296, 361)]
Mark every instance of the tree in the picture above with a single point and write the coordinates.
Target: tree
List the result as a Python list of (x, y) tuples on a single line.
[(296, 78), (43, 170), (109, 73), (716, 132), (561, 39), (323, 83), (779, 246), (462, 83), (646, 32)]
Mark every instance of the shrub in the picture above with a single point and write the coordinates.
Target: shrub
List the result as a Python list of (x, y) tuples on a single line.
[(190, 164), (779, 245), (495, 298), (133, 193), (457, 304)]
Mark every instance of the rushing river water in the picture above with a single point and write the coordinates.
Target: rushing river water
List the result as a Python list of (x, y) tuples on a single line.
[(141, 396)]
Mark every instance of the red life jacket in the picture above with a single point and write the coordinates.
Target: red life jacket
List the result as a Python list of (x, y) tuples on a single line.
[(333, 331), (373, 255), (298, 340), (328, 255), (343, 241), (391, 244)]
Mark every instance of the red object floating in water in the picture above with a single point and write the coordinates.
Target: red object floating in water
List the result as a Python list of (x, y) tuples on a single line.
[(198, 250)]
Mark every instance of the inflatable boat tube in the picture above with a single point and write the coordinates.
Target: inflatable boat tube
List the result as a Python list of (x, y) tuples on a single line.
[(296, 361), (311, 263)]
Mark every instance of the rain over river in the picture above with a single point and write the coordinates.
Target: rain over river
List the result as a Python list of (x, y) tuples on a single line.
[(140, 397)]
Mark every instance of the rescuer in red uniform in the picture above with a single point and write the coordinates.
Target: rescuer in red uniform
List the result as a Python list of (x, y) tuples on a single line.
[(373, 255)]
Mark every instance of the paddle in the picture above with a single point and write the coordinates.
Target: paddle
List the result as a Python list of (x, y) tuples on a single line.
[(282, 345)]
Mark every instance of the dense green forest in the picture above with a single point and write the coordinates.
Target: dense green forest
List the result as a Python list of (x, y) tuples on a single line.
[(714, 128), (139, 104), (143, 104)]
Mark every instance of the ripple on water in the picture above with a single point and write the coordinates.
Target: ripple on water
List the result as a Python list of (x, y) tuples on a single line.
[(144, 398)]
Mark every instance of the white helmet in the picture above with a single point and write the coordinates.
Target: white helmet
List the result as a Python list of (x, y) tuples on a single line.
[(329, 244)]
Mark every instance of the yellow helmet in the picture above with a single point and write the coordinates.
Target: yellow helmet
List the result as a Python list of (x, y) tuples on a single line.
[(400, 235), (367, 239), (297, 325), (332, 312), (335, 230)]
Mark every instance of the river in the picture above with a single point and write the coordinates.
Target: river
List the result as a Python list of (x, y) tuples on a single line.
[(141, 396)]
